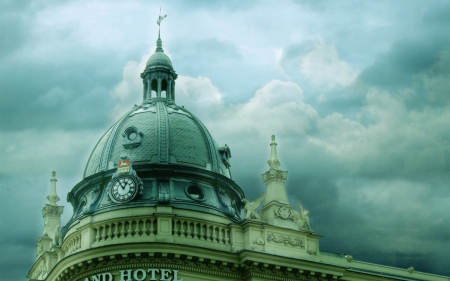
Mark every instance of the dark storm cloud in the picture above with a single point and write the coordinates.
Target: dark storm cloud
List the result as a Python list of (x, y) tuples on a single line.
[(419, 62), (438, 16), (16, 21), (14, 31), (38, 101), (17, 225), (405, 59), (377, 191)]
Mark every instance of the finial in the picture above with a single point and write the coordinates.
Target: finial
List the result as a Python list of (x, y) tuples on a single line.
[(53, 197), (273, 161), (160, 18), (159, 42)]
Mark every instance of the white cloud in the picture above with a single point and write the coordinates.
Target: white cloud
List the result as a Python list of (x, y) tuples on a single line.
[(325, 68), (130, 89), (197, 92)]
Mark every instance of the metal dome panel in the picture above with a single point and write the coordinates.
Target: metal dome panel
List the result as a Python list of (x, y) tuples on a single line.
[(157, 133)]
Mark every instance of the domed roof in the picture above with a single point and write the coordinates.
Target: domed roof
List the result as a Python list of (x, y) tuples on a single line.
[(159, 59), (158, 132)]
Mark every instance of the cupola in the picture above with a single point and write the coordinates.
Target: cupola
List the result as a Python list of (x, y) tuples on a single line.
[(159, 77)]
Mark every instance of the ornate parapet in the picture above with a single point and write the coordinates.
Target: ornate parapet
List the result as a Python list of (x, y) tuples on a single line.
[(280, 241), (191, 246)]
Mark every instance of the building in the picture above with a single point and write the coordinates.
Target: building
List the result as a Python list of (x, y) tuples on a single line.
[(158, 202)]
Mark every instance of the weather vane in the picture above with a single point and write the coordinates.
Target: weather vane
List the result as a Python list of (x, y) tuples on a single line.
[(160, 18)]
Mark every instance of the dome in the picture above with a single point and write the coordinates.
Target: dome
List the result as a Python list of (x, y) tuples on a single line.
[(159, 132), (164, 152), (159, 59)]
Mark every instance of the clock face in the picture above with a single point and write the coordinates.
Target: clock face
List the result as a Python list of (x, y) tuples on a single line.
[(124, 189)]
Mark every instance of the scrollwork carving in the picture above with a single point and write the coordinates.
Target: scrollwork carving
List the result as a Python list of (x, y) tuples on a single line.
[(286, 240)]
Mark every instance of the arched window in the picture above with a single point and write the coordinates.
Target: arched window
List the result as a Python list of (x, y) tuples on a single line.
[(154, 91), (164, 88)]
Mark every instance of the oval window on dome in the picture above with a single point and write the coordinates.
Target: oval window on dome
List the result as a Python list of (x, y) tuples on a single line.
[(195, 192), (132, 135)]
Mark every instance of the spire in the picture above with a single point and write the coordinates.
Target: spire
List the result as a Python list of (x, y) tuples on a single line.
[(273, 161), (53, 197), (159, 42), (52, 220), (274, 176)]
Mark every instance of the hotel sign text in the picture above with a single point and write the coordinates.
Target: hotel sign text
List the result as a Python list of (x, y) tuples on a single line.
[(152, 274)]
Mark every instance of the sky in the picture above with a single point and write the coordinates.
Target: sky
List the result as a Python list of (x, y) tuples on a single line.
[(356, 92)]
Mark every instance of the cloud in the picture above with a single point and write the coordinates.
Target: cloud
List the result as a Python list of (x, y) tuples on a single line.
[(53, 97), (38, 151), (318, 66), (325, 69), (370, 159), (198, 92)]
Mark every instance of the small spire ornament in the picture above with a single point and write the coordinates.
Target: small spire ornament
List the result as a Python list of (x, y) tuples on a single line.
[(273, 161), (53, 197)]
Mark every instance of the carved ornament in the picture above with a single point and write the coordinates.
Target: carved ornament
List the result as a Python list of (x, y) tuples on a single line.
[(274, 175), (286, 240), (52, 210), (283, 212), (227, 201)]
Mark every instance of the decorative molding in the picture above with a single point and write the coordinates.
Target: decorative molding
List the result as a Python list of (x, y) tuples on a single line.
[(283, 212), (41, 272), (163, 190), (286, 240), (51, 210), (227, 202), (260, 240), (151, 260), (274, 175), (163, 134), (188, 263)]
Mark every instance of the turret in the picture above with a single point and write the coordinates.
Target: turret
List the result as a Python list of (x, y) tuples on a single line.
[(52, 220)]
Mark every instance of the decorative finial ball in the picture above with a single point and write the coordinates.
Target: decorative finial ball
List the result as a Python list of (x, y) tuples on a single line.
[(349, 258), (53, 173), (273, 137)]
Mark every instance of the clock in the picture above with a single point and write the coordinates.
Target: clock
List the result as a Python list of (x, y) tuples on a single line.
[(124, 189)]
